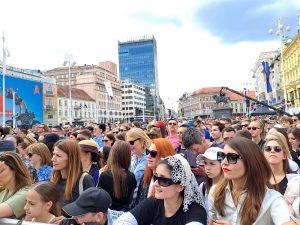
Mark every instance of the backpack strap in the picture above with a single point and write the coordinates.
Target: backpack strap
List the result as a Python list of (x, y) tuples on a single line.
[(81, 182)]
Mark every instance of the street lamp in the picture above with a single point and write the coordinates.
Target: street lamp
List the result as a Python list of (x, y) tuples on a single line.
[(5, 54), (70, 62), (281, 29)]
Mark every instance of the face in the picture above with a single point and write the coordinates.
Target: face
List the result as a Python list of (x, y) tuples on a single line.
[(233, 171), (244, 125), (59, 159), (35, 207), (215, 132), (123, 129), (295, 119), (212, 168), (228, 135), (197, 149), (72, 138), (107, 142), (180, 131), (97, 130), (293, 141), (35, 159), (286, 125), (89, 218), (165, 192), (40, 129), (172, 126), (151, 161), (136, 146), (254, 129), (56, 131), (7, 175), (274, 157)]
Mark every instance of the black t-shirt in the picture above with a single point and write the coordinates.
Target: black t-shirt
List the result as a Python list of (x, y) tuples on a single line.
[(106, 182), (151, 211), (61, 185), (282, 185)]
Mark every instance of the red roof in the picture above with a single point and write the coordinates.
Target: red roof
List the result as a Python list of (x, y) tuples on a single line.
[(207, 90), (63, 91), (234, 97)]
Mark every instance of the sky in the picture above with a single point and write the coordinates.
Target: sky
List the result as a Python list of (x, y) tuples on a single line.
[(200, 43)]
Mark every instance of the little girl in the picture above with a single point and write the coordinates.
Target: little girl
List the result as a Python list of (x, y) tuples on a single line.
[(42, 205)]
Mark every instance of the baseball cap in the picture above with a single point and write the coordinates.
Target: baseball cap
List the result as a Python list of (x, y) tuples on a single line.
[(159, 124), (92, 200), (210, 153), (7, 146)]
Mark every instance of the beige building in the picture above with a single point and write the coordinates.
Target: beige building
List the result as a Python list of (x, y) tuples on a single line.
[(50, 102), (91, 78)]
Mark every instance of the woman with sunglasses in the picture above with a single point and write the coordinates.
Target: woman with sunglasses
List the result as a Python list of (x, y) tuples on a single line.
[(160, 148), (277, 154), (40, 157), (108, 140), (139, 142), (294, 139), (242, 197), (256, 128), (15, 181), (176, 200), (117, 180)]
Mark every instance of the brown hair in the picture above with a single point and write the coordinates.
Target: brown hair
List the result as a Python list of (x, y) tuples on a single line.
[(295, 131), (118, 163), (164, 149), (255, 163), (15, 163), (42, 150), (49, 193), (71, 148), (111, 137)]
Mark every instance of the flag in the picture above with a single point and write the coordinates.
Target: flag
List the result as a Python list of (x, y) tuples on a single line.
[(266, 71)]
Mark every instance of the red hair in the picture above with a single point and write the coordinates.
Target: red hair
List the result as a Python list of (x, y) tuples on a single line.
[(164, 148)]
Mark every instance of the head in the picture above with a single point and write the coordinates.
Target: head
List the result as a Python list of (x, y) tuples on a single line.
[(84, 134), (89, 151), (244, 133), (99, 129), (49, 140), (228, 133), (66, 156), (286, 122), (21, 149), (58, 130), (192, 139), (124, 127), (41, 199), (216, 130), (39, 154), (172, 126), (245, 124), (256, 128), (136, 124), (138, 140), (181, 130), (13, 172), (91, 206), (41, 129), (109, 139), (72, 136), (294, 137)]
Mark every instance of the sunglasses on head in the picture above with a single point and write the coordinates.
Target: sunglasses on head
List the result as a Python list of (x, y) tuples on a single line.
[(253, 128), (132, 142), (162, 181), (173, 124), (29, 154), (231, 157), (275, 148), (152, 153)]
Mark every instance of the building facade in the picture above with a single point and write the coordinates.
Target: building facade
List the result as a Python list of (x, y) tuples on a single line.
[(133, 101), (50, 102), (91, 79), (83, 108), (291, 62), (138, 63)]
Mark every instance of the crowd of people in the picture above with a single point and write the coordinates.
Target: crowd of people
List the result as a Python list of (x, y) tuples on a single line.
[(228, 171)]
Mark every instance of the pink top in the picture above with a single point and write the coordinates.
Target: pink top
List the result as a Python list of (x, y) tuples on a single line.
[(174, 140)]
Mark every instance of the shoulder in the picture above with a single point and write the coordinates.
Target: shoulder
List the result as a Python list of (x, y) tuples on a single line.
[(196, 213)]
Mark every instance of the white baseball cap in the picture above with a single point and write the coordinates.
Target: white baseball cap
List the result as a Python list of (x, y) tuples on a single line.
[(210, 153)]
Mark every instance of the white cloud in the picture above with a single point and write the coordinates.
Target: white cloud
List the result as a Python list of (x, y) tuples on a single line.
[(39, 33)]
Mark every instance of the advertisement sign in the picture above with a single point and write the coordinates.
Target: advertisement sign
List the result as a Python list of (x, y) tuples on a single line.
[(28, 101)]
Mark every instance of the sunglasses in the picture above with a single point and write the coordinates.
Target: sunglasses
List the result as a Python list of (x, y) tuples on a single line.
[(29, 154), (162, 181), (104, 140), (231, 157), (122, 130), (152, 153), (275, 148), (173, 124), (244, 125), (253, 128), (132, 142)]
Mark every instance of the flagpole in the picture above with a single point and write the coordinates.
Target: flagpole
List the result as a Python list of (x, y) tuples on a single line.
[(3, 81)]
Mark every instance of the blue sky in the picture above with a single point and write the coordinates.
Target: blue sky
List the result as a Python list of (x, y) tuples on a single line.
[(245, 20)]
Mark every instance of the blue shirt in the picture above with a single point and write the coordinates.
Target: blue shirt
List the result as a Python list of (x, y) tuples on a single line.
[(138, 167), (44, 173), (99, 140)]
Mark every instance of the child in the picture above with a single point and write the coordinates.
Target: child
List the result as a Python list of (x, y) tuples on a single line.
[(42, 205)]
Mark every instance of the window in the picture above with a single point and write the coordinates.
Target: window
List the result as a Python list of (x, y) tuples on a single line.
[(50, 116)]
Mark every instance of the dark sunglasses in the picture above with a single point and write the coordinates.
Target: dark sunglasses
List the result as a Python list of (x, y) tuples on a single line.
[(105, 140), (162, 181), (132, 142), (152, 153), (122, 130), (173, 124), (244, 125), (275, 148), (231, 157), (29, 154), (253, 128)]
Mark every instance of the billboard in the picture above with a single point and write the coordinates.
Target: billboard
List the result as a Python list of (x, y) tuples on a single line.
[(28, 101)]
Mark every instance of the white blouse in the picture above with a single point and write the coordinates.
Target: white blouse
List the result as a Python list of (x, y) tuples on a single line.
[(273, 211)]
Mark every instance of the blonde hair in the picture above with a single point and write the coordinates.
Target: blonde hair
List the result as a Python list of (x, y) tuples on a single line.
[(280, 138), (139, 133)]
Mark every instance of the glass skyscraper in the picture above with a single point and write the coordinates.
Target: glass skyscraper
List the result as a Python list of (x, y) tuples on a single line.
[(138, 63)]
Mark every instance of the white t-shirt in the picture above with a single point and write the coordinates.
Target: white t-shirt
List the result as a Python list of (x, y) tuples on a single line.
[(292, 194)]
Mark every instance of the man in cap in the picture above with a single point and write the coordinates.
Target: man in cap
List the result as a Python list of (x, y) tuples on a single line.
[(90, 208)]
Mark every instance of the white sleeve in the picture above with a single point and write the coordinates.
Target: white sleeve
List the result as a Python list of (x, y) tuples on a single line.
[(279, 211), (211, 208), (126, 219), (194, 223)]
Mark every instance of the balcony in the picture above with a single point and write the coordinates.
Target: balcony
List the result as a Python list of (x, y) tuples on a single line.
[(49, 107)]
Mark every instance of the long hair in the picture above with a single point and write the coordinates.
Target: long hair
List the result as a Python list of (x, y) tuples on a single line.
[(139, 133), (255, 164), (295, 131), (14, 162), (49, 193), (164, 149), (71, 148), (42, 150), (118, 163)]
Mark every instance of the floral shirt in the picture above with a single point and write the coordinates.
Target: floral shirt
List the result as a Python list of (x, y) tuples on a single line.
[(44, 173)]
